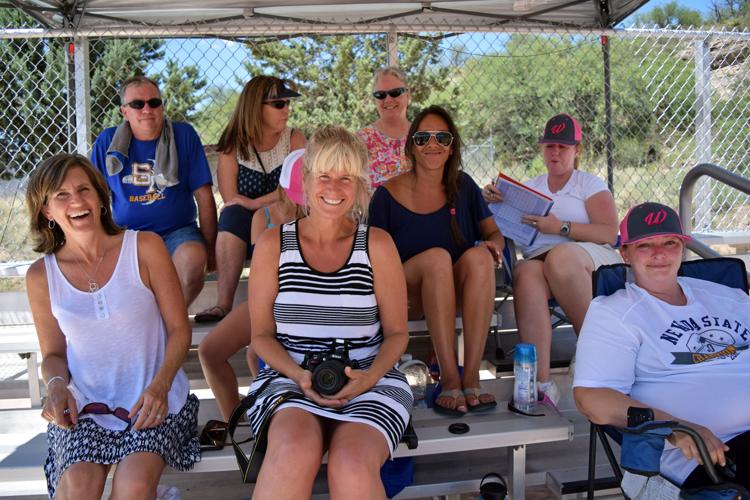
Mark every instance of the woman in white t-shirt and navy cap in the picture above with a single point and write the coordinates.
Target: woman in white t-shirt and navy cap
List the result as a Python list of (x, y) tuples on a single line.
[(669, 347), (574, 239)]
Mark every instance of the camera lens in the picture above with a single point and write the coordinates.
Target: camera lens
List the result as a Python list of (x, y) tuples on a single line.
[(329, 377)]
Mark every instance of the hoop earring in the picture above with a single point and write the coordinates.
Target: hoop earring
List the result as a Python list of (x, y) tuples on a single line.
[(51, 223), (104, 210)]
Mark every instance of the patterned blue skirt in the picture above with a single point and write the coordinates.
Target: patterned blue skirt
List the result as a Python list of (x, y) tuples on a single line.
[(175, 440)]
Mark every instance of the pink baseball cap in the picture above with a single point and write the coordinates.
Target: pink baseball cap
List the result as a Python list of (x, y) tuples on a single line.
[(649, 220), (291, 176), (562, 129)]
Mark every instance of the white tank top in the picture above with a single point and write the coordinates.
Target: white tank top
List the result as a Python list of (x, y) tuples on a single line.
[(116, 341)]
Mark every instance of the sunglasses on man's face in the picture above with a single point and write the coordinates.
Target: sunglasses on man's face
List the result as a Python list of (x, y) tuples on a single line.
[(277, 104), (422, 137), (394, 93), (102, 409), (153, 103)]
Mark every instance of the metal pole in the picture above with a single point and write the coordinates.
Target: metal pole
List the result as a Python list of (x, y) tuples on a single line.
[(608, 114), (703, 130), (393, 47), (70, 95), (82, 96)]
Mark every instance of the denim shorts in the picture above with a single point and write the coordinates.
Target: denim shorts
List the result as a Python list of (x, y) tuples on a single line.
[(182, 235)]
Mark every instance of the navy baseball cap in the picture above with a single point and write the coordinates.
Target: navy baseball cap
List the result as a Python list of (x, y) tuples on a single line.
[(562, 129), (649, 220), (283, 91)]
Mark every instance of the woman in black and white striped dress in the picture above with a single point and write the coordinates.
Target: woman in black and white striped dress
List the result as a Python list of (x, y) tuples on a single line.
[(313, 281)]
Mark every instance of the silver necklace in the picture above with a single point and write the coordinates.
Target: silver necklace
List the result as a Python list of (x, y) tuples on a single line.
[(93, 285)]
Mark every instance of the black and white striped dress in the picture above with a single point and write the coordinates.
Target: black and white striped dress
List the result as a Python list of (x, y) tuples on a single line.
[(311, 310)]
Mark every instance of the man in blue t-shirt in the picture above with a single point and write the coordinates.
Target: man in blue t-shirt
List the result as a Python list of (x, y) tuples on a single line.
[(158, 173)]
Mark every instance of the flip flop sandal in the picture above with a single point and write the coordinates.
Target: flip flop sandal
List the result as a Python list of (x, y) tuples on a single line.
[(210, 315), (444, 410), (475, 392)]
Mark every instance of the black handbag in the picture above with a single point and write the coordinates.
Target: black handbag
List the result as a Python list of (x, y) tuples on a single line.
[(250, 466)]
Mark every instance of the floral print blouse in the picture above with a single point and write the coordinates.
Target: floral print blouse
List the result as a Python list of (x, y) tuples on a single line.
[(387, 158)]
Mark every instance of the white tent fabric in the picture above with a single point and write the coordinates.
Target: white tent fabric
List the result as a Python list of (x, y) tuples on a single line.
[(295, 16)]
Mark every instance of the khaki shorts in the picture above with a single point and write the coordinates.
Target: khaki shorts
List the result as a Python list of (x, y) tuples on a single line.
[(600, 254)]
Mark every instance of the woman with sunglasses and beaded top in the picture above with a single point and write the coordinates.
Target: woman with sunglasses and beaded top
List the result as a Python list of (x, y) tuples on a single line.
[(252, 148), (386, 137), (449, 244), (113, 331)]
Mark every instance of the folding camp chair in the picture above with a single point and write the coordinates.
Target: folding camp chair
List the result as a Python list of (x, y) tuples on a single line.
[(606, 281)]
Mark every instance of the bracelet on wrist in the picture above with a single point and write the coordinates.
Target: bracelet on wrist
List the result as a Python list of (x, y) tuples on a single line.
[(55, 378)]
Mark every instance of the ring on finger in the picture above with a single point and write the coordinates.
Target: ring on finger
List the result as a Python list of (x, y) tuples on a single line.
[(158, 416), (66, 411)]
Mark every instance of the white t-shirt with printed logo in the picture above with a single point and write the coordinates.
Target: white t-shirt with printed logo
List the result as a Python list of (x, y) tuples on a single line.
[(692, 361), (569, 204)]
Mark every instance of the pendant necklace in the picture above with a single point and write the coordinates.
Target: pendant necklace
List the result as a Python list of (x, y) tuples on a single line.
[(101, 310), (93, 285)]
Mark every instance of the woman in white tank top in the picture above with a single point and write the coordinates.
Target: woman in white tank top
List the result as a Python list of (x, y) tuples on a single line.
[(113, 331)]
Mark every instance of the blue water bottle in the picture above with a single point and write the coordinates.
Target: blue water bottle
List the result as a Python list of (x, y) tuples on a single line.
[(524, 369)]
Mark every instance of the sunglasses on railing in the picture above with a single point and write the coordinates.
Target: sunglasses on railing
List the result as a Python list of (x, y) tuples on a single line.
[(102, 409), (422, 137), (277, 104), (153, 103), (394, 93)]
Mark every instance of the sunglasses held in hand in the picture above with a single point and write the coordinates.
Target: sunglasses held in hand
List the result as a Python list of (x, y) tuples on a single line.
[(422, 137), (153, 103), (394, 93), (102, 409)]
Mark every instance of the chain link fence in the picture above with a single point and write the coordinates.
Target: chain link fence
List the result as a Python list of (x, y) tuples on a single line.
[(677, 98)]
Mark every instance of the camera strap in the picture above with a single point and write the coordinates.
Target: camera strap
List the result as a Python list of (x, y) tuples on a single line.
[(250, 466)]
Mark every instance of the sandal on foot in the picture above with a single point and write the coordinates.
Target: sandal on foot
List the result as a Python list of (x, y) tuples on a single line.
[(450, 412), (476, 393), (211, 315)]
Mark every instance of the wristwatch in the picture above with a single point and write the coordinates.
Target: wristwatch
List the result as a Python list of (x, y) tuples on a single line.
[(638, 416), (565, 228)]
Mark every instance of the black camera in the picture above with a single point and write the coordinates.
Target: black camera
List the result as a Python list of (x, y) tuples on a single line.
[(327, 368)]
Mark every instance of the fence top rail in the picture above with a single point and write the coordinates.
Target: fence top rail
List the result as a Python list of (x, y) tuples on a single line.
[(247, 30)]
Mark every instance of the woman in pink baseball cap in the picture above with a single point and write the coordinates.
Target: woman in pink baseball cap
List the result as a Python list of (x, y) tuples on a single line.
[(670, 347), (233, 332), (574, 239)]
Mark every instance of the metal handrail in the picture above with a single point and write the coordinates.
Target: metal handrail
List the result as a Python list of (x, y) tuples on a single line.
[(686, 199)]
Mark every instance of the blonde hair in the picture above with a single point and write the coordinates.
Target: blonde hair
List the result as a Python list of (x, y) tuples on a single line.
[(388, 71), (45, 180), (245, 127), (335, 149)]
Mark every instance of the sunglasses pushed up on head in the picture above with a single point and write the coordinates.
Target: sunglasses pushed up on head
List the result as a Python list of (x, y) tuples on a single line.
[(153, 103), (394, 93), (422, 137)]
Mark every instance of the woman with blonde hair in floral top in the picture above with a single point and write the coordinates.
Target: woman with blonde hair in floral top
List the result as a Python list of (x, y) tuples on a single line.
[(385, 138)]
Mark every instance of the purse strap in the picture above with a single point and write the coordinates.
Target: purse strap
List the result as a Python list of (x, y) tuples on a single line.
[(246, 463)]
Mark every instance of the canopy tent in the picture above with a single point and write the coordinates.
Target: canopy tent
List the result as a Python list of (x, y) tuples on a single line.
[(296, 16)]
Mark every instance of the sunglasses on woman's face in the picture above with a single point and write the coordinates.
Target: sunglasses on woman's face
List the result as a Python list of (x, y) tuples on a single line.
[(153, 103), (422, 137), (102, 409), (394, 93), (277, 104)]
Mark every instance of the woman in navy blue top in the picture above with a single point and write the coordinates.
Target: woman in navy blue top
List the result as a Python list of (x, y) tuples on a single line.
[(449, 244)]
